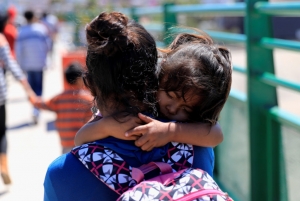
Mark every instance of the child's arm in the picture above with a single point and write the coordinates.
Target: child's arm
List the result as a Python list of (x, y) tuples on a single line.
[(156, 133), (102, 127)]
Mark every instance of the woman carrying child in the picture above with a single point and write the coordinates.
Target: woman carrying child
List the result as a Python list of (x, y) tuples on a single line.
[(121, 64), (189, 91)]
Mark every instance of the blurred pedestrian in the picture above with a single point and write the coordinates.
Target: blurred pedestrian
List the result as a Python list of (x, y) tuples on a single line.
[(7, 63), (10, 30), (72, 106), (51, 22), (32, 47)]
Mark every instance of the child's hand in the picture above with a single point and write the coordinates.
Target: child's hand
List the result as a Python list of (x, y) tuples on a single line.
[(103, 127), (34, 99), (117, 129), (153, 134)]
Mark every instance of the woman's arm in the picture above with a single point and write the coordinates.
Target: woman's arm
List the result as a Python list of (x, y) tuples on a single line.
[(11, 64), (30, 93), (155, 133), (103, 127)]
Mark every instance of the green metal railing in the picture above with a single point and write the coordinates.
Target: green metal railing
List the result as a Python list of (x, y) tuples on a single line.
[(267, 174)]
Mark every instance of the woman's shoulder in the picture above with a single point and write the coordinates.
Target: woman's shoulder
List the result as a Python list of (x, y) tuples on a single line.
[(61, 165), (3, 40)]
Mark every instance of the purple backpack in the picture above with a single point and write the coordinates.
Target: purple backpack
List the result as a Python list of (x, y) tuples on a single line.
[(173, 178)]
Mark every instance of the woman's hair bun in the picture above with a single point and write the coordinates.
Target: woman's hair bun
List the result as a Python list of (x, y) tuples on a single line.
[(107, 33)]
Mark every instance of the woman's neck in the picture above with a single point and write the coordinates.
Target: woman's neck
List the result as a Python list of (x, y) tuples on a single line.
[(107, 111)]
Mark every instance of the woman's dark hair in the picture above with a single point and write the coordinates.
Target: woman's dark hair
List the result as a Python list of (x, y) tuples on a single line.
[(3, 20), (121, 62), (194, 63)]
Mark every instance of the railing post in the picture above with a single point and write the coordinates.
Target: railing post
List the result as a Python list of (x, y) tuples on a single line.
[(77, 23), (276, 165), (133, 15), (261, 97), (170, 20)]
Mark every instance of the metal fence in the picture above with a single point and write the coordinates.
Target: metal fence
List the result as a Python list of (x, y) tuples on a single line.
[(260, 159)]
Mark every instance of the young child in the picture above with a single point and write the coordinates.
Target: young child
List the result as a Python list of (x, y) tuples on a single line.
[(72, 107), (194, 81)]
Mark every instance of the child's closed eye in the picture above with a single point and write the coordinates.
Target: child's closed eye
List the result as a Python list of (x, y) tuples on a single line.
[(172, 94), (169, 95)]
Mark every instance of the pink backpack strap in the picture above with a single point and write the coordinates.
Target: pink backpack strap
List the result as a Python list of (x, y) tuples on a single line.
[(138, 174)]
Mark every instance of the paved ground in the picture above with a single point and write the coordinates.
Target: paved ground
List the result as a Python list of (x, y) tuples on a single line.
[(33, 147)]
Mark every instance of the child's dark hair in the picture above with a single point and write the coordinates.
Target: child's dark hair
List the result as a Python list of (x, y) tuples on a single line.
[(194, 62), (29, 14), (121, 62), (73, 72)]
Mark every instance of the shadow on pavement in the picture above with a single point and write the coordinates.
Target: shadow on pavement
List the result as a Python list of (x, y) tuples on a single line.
[(3, 192), (50, 126), (21, 126)]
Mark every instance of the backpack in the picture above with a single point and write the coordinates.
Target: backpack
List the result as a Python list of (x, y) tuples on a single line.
[(172, 178), (185, 185)]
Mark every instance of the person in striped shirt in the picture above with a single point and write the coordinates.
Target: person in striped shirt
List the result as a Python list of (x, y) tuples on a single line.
[(72, 107), (7, 63)]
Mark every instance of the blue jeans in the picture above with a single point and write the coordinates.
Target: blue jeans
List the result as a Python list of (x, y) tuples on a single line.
[(35, 79)]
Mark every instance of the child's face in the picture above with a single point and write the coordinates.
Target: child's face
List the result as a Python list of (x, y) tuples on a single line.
[(174, 107)]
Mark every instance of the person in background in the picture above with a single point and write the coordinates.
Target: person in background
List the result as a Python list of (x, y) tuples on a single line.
[(32, 46), (51, 22), (10, 30), (72, 107), (7, 63)]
